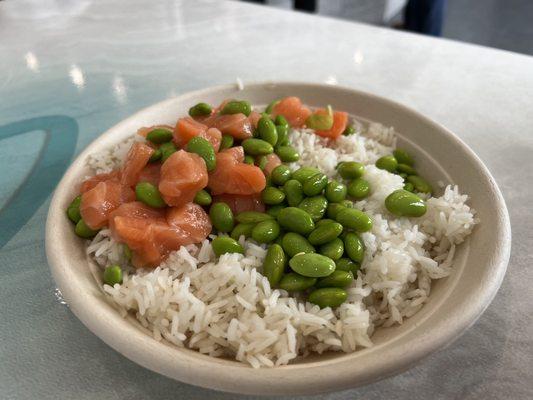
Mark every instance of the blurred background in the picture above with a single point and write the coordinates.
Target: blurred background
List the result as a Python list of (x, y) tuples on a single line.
[(504, 24)]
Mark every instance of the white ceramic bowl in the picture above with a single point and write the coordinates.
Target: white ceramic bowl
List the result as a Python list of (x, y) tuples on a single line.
[(455, 302)]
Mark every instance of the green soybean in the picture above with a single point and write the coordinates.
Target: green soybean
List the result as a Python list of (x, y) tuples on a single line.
[(237, 107), (294, 243), (280, 175), (287, 154), (112, 275), (266, 231), (274, 210), (354, 247), (204, 149), (350, 130), (312, 265), (269, 108), (272, 196), (345, 264), (293, 282), (159, 135), (335, 191), (249, 160), (296, 220), (252, 217), (274, 264), (226, 142), (257, 147), (315, 184), (283, 135), (353, 218), (156, 156), (82, 230), (282, 121), (338, 279), (294, 192), (420, 184), (73, 210), (167, 149), (315, 206), (127, 252), (325, 233), (242, 229), (324, 221), (203, 198), (200, 110), (403, 175), (350, 169), (303, 173), (328, 297), (359, 188), (225, 244), (347, 203), (409, 187), (403, 157), (333, 209), (387, 163), (406, 169), (149, 194), (405, 204), (221, 217), (267, 130), (261, 162), (333, 249)]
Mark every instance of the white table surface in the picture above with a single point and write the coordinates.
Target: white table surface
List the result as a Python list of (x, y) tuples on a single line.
[(98, 62)]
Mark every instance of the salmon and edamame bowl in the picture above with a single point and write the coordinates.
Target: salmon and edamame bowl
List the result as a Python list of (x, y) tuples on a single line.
[(265, 234)]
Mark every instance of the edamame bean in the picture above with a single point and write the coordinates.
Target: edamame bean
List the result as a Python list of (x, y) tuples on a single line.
[(249, 160), (261, 162), (204, 149), (272, 196), (338, 279), (167, 149), (287, 153), (347, 203), (283, 135), (221, 217), (354, 247), (294, 243), (225, 244), (406, 169), (324, 221), (156, 156), (405, 204), (312, 265), (82, 230), (280, 174), (315, 206), (200, 110), (267, 130), (350, 169), (266, 231), (403, 157), (387, 163), (333, 209), (112, 275), (328, 297), (293, 282), (296, 220), (294, 192), (159, 135), (420, 184), (335, 191), (333, 249), (274, 264), (257, 147), (325, 233), (315, 184), (203, 198), (274, 210), (242, 229), (252, 217), (127, 252), (354, 219), (350, 130), (359, 188), (226, 142), (345, 264), (73, 210), (237, 107), (409, 187), (403, 175), (149, 194), (269, 108), (303, 173), (282, 121)]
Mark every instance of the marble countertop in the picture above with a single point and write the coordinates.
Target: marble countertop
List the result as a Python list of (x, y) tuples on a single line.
[(97, 62)]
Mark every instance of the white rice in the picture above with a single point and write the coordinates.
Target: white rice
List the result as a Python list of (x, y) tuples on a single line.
[(225, 308)]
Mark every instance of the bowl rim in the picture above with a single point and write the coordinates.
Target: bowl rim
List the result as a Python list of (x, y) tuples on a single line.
[(305, 378)]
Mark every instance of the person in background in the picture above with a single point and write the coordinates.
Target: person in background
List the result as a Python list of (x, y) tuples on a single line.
[(424, 16)]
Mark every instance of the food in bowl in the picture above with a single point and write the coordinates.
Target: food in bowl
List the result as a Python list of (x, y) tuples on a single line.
[(267, 236)]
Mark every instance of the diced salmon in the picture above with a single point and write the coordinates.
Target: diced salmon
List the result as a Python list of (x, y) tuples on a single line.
[(136, 160), (214, 136), (272, 162), (192, 219), (91, 182), (232, 176), (151, 173), (182, 175), (236, 125), (98, 202), (187, 128), (146, 129), (340, 120), (293, 110), (254, 118), (239, 203)]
